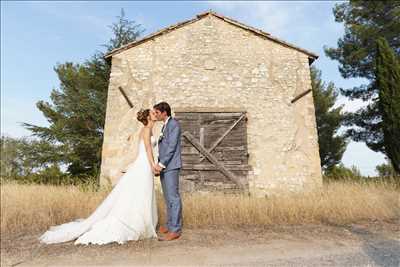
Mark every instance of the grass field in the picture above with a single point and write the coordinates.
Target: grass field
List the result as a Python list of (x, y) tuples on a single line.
[(27, 208)]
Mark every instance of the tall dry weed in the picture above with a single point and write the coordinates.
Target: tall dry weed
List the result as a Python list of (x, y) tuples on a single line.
[(36, 207)]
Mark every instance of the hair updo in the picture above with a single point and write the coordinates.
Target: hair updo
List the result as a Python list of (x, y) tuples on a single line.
[(142, 116)]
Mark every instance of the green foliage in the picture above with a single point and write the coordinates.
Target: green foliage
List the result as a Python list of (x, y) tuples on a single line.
[(23, 156), (365, 21), (329, 120), (76, 113), (125, 31), (28, 161), (388, 82), (9, 163), (342, 173), (386, 170)]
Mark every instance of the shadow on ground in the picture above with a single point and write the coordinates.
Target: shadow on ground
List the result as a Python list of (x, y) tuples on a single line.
[(383, 251)]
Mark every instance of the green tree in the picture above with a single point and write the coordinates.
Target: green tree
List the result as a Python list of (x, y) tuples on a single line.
[(386, 170), (388, 82), (329, 119), (340, 173), (23, 156), (9, 165), (124, 31), (77, 112), (364, 22)]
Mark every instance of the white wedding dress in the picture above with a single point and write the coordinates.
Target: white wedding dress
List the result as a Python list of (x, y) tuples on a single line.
[(129, 212)]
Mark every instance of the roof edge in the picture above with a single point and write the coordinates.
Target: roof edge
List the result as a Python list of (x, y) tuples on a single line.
[(312, 56)]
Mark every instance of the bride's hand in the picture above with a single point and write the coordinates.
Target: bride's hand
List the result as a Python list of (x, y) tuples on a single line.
[(155, 169)]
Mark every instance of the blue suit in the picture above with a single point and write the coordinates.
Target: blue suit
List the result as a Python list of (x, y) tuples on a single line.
[(169, 150)]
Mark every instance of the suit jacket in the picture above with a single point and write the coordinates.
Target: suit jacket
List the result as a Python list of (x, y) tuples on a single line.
[(169, 146)]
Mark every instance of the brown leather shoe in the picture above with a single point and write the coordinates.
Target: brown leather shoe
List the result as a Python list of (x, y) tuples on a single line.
[(170, 236), (163, 229)]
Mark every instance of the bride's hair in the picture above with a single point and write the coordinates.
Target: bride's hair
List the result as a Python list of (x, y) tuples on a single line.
[(142, 116)]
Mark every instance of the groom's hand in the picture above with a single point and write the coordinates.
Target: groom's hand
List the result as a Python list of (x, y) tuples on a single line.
[(156, 171), (158, 168)]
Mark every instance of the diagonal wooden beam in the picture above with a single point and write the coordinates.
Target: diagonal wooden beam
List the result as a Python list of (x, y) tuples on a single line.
[(125, 96), (213, 160), (219, 140), (300, 95)]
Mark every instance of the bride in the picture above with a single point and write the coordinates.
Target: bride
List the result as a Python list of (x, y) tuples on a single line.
[(129, 212)]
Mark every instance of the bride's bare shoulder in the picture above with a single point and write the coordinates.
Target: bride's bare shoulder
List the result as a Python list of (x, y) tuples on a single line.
[(141, 132)]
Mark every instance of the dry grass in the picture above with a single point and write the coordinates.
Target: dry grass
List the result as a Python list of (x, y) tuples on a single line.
[(36, 207)]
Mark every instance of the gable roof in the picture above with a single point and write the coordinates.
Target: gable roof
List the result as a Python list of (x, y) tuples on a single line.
[(258, 32)]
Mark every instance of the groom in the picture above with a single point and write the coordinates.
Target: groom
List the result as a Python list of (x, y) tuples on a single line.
[(169, 165)]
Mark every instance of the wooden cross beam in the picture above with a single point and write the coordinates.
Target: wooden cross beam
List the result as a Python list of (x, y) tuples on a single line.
[(219, 140), (300, 96), (125, 96), (213, 160)]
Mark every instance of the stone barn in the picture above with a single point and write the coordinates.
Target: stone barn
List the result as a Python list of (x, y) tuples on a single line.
[(243, 99)]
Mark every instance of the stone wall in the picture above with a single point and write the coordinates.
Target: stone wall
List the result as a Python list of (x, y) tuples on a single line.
[(213, 64)]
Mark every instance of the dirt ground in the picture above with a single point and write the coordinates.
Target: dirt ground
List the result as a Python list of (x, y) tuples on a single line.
[(362, 244)]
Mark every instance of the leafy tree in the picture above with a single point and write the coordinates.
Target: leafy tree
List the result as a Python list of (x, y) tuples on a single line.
[(329, 119), (77, 110), (386, 170), (342, 173), (23, 156), (365, 21), (388, 82), (9, 165)]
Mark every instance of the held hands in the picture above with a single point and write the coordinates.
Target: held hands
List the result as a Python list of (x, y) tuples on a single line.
[(156, 169)]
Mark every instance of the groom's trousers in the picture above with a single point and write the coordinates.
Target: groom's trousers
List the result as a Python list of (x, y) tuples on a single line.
[(170, 187)]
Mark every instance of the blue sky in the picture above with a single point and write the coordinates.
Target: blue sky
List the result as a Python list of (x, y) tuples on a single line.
[(35, 36)]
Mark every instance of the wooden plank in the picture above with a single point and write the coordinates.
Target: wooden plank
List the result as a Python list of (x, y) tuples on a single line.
[(125, 96), (232, 142), (190, 159), (214, 118), (210, 157), (209, 167), (223, 136), (221, 128), (202, 136), (230, 148), (192, 109), (190, 150), (231, 162), (236, 140), (230, 157), (187, 117), (300, 95)]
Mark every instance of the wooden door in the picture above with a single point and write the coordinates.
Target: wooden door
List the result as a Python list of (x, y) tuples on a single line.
[(214, 151)]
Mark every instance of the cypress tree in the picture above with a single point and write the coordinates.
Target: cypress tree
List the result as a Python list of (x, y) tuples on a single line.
[(388, 81)]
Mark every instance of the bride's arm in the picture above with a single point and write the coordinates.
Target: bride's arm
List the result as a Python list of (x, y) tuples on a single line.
[(147, 144)]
